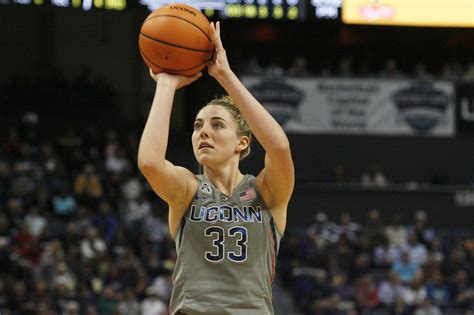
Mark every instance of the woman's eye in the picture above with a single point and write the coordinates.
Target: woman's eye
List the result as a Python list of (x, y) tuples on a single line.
[(197, 126), (218, 126)]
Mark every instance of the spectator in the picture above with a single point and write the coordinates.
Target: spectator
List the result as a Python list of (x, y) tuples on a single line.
[(373, 227), (390, 70), (298, 67), (64, 204), (436, 250), (92, 245), (63, 277), (390, 290), (26, 247), (438, 292), (431, 267), (106, 221), (275, 69), (345, 68), (71, 308), (152, 304), (396, 233), (35, 222), (414, 293), (426, 308), (41, 293), (162, 285), (385, 254), (366, 293), (131, 188), (135, 212), (339, 175), (115, 159), (251, 67), (406, 269), (469, 74), (373, 178), (156, 229), (462, 291), (88, 185), (417, 250), (107, 303), (348, 228), (421, 72), (128, 304), (3, 294), (18, 300), (323, 232), (424, 233)]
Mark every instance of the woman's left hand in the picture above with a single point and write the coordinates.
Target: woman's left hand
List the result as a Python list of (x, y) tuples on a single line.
[(219, 66)]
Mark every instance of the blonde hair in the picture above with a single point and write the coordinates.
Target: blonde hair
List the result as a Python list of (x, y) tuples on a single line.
[(243, 128)]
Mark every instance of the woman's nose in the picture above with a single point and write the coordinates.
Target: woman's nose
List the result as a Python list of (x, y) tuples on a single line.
[(204, 133)]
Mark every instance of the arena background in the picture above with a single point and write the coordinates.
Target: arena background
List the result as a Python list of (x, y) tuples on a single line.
[(75, 95)]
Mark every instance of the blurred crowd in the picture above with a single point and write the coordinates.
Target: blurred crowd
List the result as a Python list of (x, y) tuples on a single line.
[(349, 67), (378, 267), (80, 233)]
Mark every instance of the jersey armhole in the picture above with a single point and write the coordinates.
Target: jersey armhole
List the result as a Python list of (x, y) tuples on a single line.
[(186, 212), (254, 185)]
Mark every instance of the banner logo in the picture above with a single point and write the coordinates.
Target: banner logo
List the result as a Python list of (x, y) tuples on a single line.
[(279, 98), (422, 106)]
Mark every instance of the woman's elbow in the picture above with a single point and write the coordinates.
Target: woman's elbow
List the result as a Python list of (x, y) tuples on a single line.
[(146, 165), (280, 146)]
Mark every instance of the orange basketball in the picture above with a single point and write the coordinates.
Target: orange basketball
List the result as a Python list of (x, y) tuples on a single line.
[(176, 39)]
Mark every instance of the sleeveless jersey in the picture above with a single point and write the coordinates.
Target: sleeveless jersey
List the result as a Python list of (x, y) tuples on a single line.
[(227, 248)]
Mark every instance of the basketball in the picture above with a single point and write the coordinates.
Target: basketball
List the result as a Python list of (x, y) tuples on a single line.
[(176, 39)]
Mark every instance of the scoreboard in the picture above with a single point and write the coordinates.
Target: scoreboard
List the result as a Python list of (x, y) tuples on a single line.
[(221, 9), (442, 13), (250, 9)]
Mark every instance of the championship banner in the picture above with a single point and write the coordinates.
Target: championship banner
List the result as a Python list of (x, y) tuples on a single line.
[(465, 108), (358, 106)]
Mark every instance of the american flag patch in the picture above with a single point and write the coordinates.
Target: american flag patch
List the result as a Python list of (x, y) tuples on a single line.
[(248, 194)]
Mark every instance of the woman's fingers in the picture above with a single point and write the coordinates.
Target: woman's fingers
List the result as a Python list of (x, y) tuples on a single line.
[(216, 35)]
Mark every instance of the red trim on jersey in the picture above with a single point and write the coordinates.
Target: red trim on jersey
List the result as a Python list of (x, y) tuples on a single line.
[(272, 275)]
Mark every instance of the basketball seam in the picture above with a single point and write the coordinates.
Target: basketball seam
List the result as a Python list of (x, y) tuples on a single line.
[(175, 45), (180, 18), (168, 69)]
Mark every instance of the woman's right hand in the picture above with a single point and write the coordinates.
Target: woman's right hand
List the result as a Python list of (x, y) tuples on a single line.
[(177, 81)]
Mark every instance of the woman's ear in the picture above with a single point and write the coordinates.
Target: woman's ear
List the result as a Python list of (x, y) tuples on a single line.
[(242, 144)]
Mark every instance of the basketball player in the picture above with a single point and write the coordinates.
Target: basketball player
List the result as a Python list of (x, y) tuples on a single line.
[(227, 226)]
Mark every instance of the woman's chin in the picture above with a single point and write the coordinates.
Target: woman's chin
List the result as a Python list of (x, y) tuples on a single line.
[(204, 160)]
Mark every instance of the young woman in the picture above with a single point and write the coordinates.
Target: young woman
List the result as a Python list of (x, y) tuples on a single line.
[(226, 225)]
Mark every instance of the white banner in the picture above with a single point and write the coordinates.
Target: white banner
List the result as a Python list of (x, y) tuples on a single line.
[(358, 106)]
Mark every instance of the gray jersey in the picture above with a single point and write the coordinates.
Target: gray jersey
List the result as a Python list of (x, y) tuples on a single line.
[(227, 247)]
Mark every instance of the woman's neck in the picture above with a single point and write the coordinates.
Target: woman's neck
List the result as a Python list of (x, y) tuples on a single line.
[(224, 179)]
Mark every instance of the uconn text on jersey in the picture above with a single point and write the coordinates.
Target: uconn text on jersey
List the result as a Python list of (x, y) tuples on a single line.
[(226, 214)]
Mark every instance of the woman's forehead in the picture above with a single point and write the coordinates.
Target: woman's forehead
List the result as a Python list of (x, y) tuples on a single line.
[(210, 111)]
